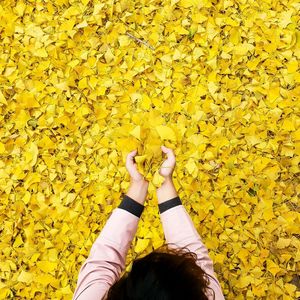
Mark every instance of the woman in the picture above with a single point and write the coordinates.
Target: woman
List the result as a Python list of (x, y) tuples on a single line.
[(174, 273)]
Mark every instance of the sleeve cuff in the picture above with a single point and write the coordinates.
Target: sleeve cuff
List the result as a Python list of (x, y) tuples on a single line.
[(131, 206), (169, 204)]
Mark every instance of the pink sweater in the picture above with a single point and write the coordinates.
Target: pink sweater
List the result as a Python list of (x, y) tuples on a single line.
[(107, 257)]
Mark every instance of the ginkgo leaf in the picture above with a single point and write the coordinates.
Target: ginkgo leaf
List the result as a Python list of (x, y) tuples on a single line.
[(141, 245), (283, 243), (46, 266), (272, 267), (189, 3), (136, 132), (26, 277), (166, 132)]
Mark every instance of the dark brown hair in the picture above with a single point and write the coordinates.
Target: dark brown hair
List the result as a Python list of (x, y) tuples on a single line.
[(164, 274)]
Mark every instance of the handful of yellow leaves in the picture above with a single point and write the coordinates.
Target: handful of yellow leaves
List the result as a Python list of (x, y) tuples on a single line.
[(150, 161)]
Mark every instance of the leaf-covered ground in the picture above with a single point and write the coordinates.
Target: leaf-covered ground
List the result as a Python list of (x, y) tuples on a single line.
[(83, 83)]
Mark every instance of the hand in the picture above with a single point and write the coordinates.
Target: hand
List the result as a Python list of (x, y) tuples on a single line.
[(168, 166), (131, 167)]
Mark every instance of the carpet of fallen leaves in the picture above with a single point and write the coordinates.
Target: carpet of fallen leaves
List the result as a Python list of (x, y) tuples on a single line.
[(83, 83)]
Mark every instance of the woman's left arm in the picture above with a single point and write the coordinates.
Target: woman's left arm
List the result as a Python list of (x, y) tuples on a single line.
[(108, 253)]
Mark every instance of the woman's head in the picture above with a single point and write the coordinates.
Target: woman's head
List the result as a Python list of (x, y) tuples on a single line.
[(164, 274)]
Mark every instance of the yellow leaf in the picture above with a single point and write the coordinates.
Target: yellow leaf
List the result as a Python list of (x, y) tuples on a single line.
[(272, 172), (73, 63), (145, 102), (189, 3), (260, 163), (124, 40), (208, 155), (229, 163), (26, 197), (243, 255), (244, 281), (34, 31), (67, 25), (2, 98), (191, 166), (259, 291), (235, 37), (136, 132), (27, 100), (45, 279), (200, 90), (292, 66), (268, 213), (20, 8), (40, 52), (18, 241), (141, 245), (82, 24), (32, 154), (46, 143), (32, 178), (71, 11), (287, 151), (101, 91), (92, 82), (222, 210), (46, 266), (140, 158), (252, 140), (199, 17), (296, 135), (272, 267), (2, 148), (165, 132), (153, 37), (219, 258), (283, 243), (180, 30), (109, 57), (235, 101), (288, 125), (167, 58), (197, 139), (4, 292), (290, 288), (157, 179), (273, 93), (197, 52), (26, 277), (242, 49), (285, 18)]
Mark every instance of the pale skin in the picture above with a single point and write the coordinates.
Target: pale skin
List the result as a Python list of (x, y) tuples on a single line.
[(139, 186)]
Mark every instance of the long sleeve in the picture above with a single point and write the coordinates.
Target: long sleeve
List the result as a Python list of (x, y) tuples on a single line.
[(179, 230), (107, 257)]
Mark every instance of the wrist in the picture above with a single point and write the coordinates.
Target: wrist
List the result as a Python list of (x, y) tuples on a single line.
[(168, 181), (167, 191), (138, 191)]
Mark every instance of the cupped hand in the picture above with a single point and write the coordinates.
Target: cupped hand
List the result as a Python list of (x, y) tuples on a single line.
[(168, 166), (131, 167)]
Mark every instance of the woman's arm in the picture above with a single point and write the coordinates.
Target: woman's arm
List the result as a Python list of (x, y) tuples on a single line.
[(108, 253), (180, 231)]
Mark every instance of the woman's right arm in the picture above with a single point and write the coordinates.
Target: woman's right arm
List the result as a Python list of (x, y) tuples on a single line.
[(179, 230)]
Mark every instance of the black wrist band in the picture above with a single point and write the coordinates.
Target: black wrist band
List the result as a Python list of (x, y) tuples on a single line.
[(169, 204), (132, 206)]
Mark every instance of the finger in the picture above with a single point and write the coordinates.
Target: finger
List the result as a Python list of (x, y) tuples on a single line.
[(169, 152), (130, 156), (132, 153), (166, 150)]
